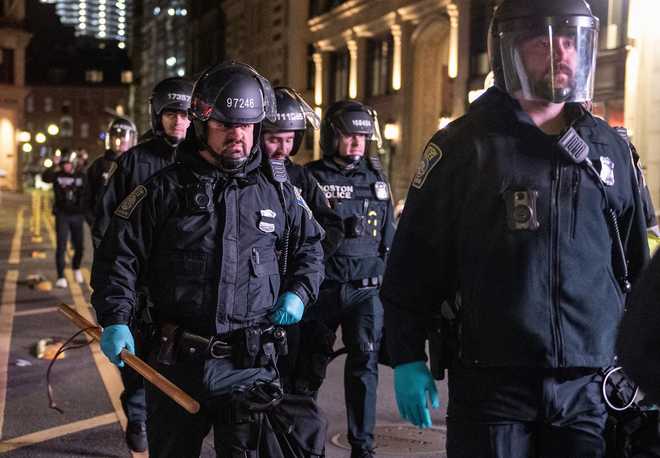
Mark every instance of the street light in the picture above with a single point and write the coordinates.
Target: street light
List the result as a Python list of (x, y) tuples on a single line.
[(40, 137), (53, 129), (23, 136), (391, 132), (27, 148)]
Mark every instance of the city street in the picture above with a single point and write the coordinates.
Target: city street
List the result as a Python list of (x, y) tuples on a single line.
[(87, 387)]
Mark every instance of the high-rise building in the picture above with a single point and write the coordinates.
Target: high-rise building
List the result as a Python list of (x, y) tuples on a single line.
[(103, 19), (159, 48)]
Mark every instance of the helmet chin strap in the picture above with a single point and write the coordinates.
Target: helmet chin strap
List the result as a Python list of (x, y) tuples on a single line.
[(348, 162), (555, 95)]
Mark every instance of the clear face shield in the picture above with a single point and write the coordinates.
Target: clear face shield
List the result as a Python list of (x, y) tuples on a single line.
[(120, 139), (555, 61)]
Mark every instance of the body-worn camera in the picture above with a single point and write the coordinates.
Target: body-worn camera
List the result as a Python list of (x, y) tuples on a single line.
[(521, 209), (199, 197), (354, 226)]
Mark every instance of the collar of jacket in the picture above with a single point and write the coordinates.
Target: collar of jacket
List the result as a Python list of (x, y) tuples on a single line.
[(110, 155), (159, 146), (188, 154), (361, 166), (507, 110)]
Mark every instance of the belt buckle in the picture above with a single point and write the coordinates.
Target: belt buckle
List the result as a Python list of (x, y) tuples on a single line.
[(219, 349)]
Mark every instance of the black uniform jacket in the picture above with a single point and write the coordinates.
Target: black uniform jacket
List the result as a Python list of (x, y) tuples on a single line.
[(544, 297), (208, 243), (361, 197), (134, 167), (98, 176), (70, 191), (311, 191)]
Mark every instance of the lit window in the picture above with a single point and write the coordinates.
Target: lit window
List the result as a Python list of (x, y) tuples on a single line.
[(48, 104), (122, 19), (126, 75), (171, 11), (181, 72), (94, 76), (121, 33), (121, 45), (171, 61), (184, 12), (82, 26), (156, 10), (84, 130)]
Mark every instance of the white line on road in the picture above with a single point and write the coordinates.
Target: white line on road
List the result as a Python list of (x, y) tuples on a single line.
[(38, 311), (57, 431)]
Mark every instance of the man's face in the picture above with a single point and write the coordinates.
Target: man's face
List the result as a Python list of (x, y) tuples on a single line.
[(231, 141), (538, 62), (351, 145), (67, 167), (175, 123), (121, 144), (278, 145)]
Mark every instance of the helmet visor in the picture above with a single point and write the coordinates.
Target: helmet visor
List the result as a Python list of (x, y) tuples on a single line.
[(307, 112), (120, 139), (555, 62)]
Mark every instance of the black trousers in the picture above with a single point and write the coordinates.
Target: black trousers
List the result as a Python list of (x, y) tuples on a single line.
[(525, 413), (359, 312), (65, 223), (174, 433)]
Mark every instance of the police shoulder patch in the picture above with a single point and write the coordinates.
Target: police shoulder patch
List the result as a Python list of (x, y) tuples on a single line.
[(432, 155), (301, 201), (130, 202)]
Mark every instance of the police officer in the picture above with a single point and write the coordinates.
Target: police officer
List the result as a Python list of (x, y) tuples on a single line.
[(525, 214), (209, 230), (359, 193), (168, 107), (281, 139), (119, 138), (69, 207)]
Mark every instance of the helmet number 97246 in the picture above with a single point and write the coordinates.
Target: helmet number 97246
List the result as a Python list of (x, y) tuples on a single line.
[(240, 102)]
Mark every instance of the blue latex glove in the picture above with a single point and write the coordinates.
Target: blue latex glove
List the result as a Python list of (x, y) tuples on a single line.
[(413, 387), (114, 339), (289, 309)]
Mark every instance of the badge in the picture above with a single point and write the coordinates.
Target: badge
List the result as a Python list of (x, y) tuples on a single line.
[(432, 155), (131, 201), (267, 220), (607, 170), (301, 201), (380, 188)]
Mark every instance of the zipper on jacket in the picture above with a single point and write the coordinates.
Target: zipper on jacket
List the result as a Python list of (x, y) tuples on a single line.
[(554, 244), (575, 193)]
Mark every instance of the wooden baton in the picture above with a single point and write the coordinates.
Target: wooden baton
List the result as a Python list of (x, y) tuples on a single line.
[(170, 389)]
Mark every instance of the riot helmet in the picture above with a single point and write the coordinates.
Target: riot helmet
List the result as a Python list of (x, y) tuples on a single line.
[(231, 94), (348, 117), (544, 50), (293, 115), (121, 135), (171, 94)]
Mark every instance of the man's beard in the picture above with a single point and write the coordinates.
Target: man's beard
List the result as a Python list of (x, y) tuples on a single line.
[(549, 91), (227, 162)]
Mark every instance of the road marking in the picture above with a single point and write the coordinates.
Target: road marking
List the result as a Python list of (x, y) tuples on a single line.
[(15, 253), (7, 308), (35, 311), (109, 373), (58, 431)]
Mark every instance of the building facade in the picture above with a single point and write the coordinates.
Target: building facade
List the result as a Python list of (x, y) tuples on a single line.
[(14, 38)]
